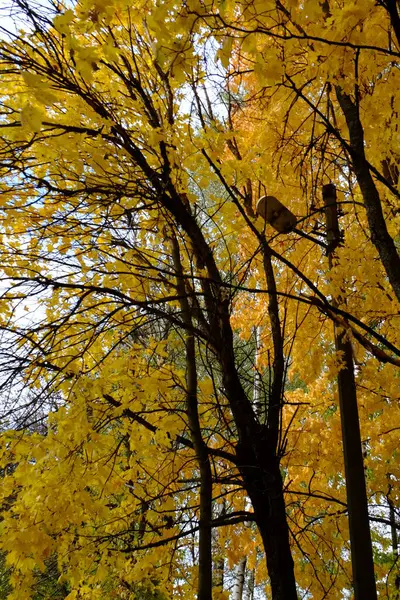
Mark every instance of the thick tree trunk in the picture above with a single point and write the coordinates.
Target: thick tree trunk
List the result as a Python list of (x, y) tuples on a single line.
[(257, 447), (259, 468), (270, 513)]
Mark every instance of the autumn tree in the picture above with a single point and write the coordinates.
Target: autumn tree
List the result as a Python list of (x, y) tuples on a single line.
[(189, 345)]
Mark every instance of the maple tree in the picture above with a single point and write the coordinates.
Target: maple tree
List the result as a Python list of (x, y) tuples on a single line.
[(168, 359)]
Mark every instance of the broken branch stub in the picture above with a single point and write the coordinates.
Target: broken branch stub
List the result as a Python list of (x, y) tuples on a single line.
[(276, 214)]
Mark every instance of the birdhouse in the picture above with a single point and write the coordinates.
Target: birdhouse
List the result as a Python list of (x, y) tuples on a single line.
[(276, 214)]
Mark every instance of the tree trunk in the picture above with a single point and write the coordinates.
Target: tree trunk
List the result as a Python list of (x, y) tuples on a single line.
[(395, 545), (357, 502), (240, 574), (263, 482), (393, 530), (270, 513), (251, 585), (259, 468), (260, 409), (360, 535), (200, 447), (219, 556), (391, 7), (377, 225), (256, 450)]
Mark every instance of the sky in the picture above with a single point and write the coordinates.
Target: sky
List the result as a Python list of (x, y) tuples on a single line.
[(6, 23)]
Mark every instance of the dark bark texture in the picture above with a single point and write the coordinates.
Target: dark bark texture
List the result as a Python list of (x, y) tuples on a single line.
[(200, 447), (377, 225), (357, 502)]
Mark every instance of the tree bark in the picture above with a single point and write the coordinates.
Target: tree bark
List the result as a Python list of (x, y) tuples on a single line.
[(379, 234), (240, 574), (260, 409), (259, 468), (270, 512), (257, 446), (219, 556), (393, 530), (278, 367), (360, 535), (200, 447), (393, 524), (391, 7), (250, 590)]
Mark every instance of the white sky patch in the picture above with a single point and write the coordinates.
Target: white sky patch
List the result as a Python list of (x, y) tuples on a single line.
[(7, 21)]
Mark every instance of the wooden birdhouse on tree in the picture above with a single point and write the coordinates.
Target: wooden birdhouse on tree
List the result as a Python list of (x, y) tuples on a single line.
[(276, 214)]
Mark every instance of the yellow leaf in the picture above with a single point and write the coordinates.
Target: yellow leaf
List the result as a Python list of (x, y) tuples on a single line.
[(31, 118)]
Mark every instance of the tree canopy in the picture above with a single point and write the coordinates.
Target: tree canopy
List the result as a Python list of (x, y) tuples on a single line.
[(169, 359)]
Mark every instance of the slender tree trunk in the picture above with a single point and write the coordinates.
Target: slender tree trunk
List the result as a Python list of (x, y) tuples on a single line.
[(395, 544), (240, 571), (240, 575), (393, 530), (377, 225), (205, 530), (360, 535), (200, 447), (275, 395), (260, 410), (251, 585), (393, 524), (219, 559)]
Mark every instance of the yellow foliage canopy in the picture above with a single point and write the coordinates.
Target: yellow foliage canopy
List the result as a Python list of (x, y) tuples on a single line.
[(167, 328)]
